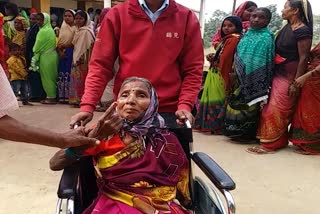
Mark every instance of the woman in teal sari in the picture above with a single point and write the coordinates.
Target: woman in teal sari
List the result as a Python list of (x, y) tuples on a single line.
[(254, 61), (45, 59)]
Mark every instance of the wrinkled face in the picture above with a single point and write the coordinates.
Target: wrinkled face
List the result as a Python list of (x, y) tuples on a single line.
[(247, 13), (258, 19), (18, 25), (133, 100), (33, 19), (79, 21), (228, 27), (68, 18), (287, 11), (40, 20)]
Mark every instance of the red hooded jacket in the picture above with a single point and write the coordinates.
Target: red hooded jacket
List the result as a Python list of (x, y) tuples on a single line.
[(168, 53)]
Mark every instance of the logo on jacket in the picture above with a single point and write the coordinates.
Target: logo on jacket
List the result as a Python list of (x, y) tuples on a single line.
[(173, 35)]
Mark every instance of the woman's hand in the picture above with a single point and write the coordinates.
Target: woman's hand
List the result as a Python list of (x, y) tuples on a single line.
[(210, 57), (299, 82), (109, 123), (293, 91)]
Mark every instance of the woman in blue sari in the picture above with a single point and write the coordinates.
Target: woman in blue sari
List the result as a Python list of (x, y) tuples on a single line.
[(65, 50)]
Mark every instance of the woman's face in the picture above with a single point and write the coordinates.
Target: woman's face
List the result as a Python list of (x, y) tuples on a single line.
[(40, 20), (133, 100), (287, 11), (228, 27), (258, 20), (68, 18), (18, 25), (247, 13), (79, 21)]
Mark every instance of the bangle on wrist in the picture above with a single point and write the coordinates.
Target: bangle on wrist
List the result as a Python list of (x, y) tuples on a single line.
[(71, 154)]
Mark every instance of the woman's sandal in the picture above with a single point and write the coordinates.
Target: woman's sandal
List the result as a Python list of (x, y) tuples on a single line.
[(304, 152), (259, 150), (49, 101)]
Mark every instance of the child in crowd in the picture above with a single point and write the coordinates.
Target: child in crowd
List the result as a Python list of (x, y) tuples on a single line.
[(253, 62), (217, 85), (19, 38), (18, 73)]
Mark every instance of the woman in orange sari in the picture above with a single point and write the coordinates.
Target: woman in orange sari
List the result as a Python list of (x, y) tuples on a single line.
[(141, 167), (305, 125)]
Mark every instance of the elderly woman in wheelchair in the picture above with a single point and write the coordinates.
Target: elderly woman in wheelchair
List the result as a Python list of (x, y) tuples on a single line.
[(140, 165)]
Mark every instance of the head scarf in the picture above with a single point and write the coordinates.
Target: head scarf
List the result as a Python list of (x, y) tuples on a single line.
[(20, 36), (242, 7), (151, 123), (307, 11), (236, 21), (66, 32), (24, 22), (23, 13), (45, 41), (33, 10), (83, 39)]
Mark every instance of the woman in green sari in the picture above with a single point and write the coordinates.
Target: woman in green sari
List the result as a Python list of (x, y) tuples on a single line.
[(253, 61), (45, 59)]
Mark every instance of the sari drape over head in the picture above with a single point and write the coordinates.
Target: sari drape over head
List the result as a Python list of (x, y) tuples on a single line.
[(82, 41), (66, 35), (45, 59), (20, 36), (66, 32), (145, 175)]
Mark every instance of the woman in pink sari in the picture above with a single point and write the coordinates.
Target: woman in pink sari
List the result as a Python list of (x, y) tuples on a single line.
[(141, 167), (293, 45), (243, 12)]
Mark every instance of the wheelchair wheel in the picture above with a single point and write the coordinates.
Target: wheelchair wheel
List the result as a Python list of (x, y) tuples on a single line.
[(206, 199)]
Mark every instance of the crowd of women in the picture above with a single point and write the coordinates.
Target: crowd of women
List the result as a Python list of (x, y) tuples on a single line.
[(263, 87), (54, 65)]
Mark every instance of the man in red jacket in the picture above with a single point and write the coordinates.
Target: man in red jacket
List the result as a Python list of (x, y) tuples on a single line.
[(159, 40)]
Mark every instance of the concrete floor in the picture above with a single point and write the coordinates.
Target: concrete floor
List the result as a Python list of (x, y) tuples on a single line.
[(281, 183)]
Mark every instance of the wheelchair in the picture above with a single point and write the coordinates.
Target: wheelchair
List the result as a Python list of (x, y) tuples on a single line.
[(77, 187)]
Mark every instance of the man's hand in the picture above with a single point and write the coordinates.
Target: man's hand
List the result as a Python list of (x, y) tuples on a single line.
[(76, 137), (82, 118), (108, 124), (182, 116)]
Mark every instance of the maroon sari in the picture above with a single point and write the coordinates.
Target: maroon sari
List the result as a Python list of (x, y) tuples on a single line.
[(142, 178), (305, 126)]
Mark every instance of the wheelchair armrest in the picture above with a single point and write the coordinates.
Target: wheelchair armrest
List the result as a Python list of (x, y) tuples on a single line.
[(68, 181), (214, 172)]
